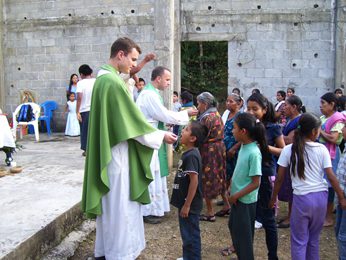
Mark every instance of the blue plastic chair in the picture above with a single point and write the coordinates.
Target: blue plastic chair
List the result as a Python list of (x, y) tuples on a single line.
[(47, 114)]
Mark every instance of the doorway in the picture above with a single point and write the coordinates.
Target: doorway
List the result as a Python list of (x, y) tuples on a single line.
[(204, 67)]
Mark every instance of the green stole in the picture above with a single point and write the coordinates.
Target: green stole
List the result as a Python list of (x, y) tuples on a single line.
[(163, 149), (114, 118)]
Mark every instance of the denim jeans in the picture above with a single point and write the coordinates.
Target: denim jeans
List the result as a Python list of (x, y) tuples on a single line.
[(340, 232), (191, 236), (84, 130), (267, 217)]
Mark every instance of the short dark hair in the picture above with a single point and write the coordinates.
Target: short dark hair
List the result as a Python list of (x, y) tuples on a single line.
[(330, 97), (158, 71), (141, 79), (124, 44), (186, 96), (341, 103), (295, 100), (176, 93), (256, 90), (338, 90), (199, 131), (282, 93), (85, 70), (292, 89), (236, 90)]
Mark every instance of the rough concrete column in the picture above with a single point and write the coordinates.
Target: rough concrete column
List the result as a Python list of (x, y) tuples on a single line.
[(177, 48), (2, 84), (340, 44), (164, 31), (164, 42)]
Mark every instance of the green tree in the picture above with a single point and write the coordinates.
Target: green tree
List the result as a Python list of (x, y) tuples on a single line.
[(204, 68)]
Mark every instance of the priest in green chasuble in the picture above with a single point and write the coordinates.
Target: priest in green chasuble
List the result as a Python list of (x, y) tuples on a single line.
[(117, 168)]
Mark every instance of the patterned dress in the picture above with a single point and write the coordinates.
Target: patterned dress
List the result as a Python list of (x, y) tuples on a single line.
[(213, 154)]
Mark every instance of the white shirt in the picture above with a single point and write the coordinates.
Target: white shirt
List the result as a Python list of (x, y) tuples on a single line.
[(85, 86), (150, 104), (318, 160), (225, 116)]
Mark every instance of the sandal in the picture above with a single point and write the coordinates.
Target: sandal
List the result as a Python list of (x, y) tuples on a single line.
[(227, 251), (223, 212), (207, 218)]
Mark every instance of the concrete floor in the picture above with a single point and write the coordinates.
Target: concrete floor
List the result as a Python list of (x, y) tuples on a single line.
[(49, 185)]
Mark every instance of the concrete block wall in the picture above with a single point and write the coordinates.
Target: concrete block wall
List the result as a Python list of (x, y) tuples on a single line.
[(46, 41), (271, 44)]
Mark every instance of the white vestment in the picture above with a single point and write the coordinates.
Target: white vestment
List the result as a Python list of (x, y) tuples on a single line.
[(120, 228), (151, 106)]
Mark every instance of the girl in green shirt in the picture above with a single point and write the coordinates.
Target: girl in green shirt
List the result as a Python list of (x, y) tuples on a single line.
[(250, 132)]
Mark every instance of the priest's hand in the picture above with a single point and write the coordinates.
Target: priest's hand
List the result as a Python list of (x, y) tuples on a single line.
[(192, 112), (170, 138)]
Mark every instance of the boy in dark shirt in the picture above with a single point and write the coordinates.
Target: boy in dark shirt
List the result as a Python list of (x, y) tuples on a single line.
[(187, 190)]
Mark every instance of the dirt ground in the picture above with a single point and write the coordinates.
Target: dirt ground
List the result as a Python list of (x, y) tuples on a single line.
[(163, 240)]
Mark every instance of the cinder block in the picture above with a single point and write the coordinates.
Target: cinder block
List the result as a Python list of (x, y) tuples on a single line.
[(256, 73), (326, 73), (291, 73), (273, 73)]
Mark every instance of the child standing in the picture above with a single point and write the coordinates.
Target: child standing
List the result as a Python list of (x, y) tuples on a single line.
[(245, 182), (72, 124), (307, 161), (263, 110), (187, 190)]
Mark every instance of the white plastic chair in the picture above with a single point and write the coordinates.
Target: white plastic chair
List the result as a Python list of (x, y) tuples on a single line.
[(36, 109)]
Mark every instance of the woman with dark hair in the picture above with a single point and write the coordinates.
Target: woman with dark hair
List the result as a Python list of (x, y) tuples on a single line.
[(213, 154), (290, 91), (263, 110), (233, 104), (306, 161), (72, 86), (293, 106), (331, 137), (338, 92), (280, 107)]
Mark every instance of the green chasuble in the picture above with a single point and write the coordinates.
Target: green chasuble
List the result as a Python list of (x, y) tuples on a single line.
[(163, 149), (114, 118)]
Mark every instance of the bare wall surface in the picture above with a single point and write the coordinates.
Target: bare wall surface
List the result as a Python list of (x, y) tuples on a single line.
[(272, 44), (46, 41)]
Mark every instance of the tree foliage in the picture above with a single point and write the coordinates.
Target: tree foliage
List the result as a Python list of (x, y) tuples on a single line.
[(204, 68)]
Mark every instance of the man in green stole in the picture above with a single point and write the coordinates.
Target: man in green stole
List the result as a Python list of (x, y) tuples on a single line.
[(151, 104), (119, 151)]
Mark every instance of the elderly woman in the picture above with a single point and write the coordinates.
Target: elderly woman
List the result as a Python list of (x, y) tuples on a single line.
[(213, 154), (233, 104), (331, 137)]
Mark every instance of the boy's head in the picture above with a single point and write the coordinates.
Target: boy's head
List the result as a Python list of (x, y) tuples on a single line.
[(194, 134), (140, 84), (186, 97), (175, 96), (85, 70)]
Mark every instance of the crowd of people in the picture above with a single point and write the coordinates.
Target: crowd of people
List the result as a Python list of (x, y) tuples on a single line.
[(251, 156)]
